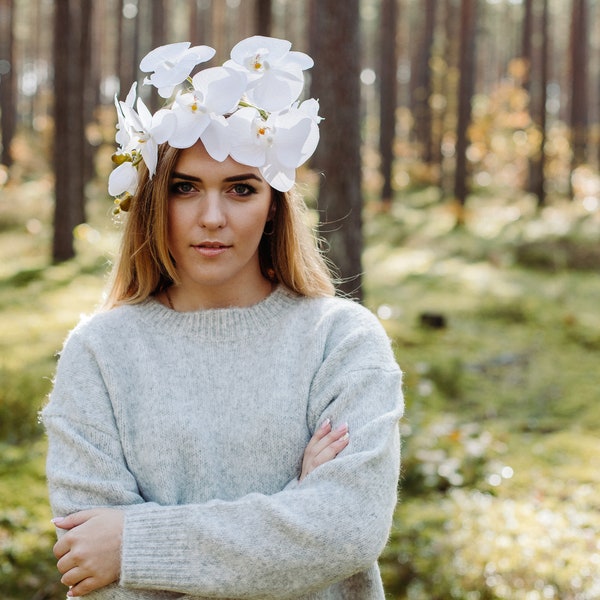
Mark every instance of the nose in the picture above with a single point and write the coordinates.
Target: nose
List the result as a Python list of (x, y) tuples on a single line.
[(212, 213)]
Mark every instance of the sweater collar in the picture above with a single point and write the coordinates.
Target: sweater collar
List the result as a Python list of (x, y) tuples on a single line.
[(220, 323)]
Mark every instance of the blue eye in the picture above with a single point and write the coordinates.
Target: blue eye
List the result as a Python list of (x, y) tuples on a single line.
[(243, 189), (182, 187)]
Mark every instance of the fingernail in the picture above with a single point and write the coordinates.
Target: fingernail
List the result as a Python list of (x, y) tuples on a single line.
[(345, 437), (342, 427), (326, 423), (57, 520)]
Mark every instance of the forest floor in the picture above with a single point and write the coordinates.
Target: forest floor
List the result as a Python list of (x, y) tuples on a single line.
[(497, 328)]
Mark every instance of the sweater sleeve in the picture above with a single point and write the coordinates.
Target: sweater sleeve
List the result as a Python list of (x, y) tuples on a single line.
[(85, 466), (308, 536)]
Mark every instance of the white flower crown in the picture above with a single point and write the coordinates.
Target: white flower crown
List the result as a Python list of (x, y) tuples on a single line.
[(247, 109)]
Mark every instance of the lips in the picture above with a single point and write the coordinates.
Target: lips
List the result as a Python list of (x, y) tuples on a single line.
[(211, 248), (211, 245)]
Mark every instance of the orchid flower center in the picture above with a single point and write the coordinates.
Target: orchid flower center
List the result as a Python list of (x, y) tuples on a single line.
[(258, 63), (265, 133)]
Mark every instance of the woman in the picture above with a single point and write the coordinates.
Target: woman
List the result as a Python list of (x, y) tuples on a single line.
[(198, 427)]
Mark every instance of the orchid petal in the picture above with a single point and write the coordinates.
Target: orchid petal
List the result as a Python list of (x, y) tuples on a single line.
[(144, 114), (304, 61), (245, 148), (290, 140), (276, 90), (172, 64), (215, 138), (150, 155), (162, 54), (222, 88), (163, 125), (130, 99), (278, 176), (189, 127), (259, 45), (123, 179)]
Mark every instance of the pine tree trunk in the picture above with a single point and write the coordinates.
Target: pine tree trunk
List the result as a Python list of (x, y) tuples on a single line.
[(337, 79), (8, 111), (579, 74), (465, 94), (388, 96), (263, 17), (69, 136)]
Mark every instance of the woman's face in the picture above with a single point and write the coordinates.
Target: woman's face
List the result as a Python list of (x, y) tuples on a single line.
[(217, 214)]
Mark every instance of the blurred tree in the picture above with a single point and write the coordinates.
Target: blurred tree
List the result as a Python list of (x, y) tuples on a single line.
[(8, 111), (199, 22), (336, 82), (527, 40), (158, 16), (579, 74), (421, 82), (263, 18), (70, 80), (465, 95), (537, 83), (128, 44), (388, 96)]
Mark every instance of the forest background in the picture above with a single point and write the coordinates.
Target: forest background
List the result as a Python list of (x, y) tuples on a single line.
[(457, 184)]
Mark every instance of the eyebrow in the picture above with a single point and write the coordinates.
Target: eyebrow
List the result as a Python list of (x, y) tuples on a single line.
[(232, 178)]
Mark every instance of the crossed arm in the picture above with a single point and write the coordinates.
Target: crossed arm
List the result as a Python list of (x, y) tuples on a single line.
[(89, 554)]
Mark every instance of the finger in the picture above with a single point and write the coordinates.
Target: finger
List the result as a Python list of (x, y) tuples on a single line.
[(84, 587), (61, 547), (332, 450), (74, 576), (331, 437), (320, 433), (66, 563), (73, 520)]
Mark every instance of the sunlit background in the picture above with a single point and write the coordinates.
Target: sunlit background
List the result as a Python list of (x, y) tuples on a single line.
[(481, 226)]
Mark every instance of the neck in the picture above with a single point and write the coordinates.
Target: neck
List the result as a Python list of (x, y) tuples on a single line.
[(180, 299)]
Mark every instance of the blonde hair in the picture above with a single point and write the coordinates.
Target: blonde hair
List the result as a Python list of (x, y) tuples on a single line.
[(289, 255)]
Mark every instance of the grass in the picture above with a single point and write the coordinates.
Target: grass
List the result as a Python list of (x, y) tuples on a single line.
[(496, 326)]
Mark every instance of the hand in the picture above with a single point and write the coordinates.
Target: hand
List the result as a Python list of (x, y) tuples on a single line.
[(325, 444), (89, 554)]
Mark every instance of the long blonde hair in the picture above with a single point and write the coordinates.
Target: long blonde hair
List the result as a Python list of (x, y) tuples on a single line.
[(290, 254)]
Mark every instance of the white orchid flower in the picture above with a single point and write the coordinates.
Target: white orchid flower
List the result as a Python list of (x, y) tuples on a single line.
[(123, 135), (172, 64), (149, 130), (123, 179), (216, 91), (277, 145), (275, 73), (247, 109)]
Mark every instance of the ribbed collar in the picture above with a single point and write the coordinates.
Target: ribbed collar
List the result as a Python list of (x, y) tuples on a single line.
[(224, 324)]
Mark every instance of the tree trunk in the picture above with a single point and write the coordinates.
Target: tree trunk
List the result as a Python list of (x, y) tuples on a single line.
[(388, 96), (422, 84), (526, 41), (537, 83), (263, 17), (8, 111), (465, 94), (337, 75), (69, 137), (579, 72), (158, 39)]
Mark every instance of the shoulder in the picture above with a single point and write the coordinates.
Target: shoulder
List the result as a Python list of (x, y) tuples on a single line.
[(343, 315), (347, 328), (102, 327)]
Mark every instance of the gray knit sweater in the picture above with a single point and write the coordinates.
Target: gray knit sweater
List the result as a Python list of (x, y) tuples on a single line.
[(196, 423)]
